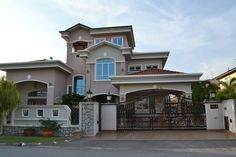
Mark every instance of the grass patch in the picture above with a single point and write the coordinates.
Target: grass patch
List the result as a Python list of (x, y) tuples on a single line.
[(18, 139)]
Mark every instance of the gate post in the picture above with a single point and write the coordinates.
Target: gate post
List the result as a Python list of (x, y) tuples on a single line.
[(89, 118), (214, 115)]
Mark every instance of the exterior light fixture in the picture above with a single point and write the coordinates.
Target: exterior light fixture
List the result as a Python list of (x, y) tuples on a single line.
[(212, 94), (89, 94), (109, 96)]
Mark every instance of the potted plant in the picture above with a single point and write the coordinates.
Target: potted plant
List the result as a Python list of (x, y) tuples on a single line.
[(50, 127), (29, 132)]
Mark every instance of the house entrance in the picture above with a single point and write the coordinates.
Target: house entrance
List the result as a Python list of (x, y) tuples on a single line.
[(159, 109)]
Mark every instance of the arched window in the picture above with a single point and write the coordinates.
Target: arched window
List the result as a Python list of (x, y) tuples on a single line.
[(79, 85), (105, 68)]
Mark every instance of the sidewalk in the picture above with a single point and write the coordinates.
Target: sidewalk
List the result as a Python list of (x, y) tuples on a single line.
[(165, 135)]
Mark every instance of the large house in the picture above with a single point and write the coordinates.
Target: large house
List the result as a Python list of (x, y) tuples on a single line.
[(102, 60), (226, 76)]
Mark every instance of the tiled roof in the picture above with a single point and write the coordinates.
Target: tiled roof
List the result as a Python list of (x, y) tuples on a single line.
[(155, 71)]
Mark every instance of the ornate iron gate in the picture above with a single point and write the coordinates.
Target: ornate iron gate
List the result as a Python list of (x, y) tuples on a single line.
[(182, 115)]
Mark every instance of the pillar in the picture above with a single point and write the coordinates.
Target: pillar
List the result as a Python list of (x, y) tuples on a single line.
[(214, 115), (89, 118), (50, 95)]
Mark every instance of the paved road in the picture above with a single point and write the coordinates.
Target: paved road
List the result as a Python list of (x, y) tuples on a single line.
[(139, 148)]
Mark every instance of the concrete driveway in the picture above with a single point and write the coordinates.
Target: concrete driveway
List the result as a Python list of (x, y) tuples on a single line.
[(165, 135)]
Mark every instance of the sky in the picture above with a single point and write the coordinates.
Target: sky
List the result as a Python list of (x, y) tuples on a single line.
[(200, 34)]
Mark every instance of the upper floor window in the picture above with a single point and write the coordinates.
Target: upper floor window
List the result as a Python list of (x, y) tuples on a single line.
[(104, 68), (79, 85), (135, 68), (98, 40), (153, 66), (80, 45), (117, 41)]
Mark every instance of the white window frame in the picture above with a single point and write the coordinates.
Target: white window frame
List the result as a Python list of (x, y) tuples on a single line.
[(152, 65), (103, 39), (37, 112), (67, 89), (23, 112), (55, 110), (73, 83), (122, 39), (95, 77), (134, 65)]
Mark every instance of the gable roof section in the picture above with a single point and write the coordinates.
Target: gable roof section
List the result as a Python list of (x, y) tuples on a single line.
[(226, 73), (127, 30), (78, 25), (155, 71), (101, 44)]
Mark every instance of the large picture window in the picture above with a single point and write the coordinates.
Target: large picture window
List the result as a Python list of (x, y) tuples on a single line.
[(105, 68), (79, 85)]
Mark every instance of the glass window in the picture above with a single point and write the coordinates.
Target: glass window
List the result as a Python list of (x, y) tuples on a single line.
[(25, 112), (105, 68), (55, 113), (99, 40), (151, 66), (69, 89), (40, 113), (79, 85), (117, 41), (135, 68)]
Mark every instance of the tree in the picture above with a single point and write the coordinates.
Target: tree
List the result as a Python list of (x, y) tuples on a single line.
[(9, 96), (73, 100), (228, 90), (201, 90)]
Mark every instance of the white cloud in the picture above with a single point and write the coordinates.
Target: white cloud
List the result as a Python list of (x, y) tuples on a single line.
[(94, 11), (23, 38), (215, 66)]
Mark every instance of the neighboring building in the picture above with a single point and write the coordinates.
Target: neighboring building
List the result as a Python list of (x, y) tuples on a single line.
[(227, 76), (101, 60)]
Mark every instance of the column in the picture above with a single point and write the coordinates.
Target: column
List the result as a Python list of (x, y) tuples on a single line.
[(50, 95), (89, 118), (214, 115)]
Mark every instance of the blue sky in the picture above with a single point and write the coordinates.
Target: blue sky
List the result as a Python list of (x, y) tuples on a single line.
[(200, 34)]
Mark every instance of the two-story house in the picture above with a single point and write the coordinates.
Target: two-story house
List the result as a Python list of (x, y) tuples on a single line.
[(101, 60)]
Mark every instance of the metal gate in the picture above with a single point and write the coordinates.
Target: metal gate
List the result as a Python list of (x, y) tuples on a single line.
[(182, 115)]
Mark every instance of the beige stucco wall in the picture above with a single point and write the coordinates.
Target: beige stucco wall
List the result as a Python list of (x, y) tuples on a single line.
[(44, 75), (84, 34), (25, 87), (102, 87), (78, 64), (184, 87), (98, 87), (105, 52), (54, 80), (60, 85)]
